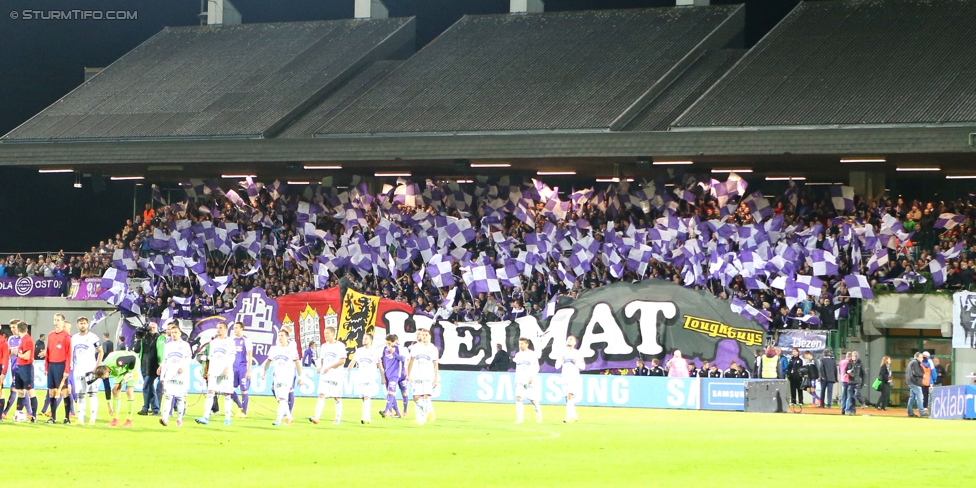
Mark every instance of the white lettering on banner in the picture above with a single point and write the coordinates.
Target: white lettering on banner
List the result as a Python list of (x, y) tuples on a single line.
[(397, 324), (484, 387), (648, 322), (678, 398), (596, 389), (497, 333), (553, 389), (558, 330), (807, 344), (505, 390), (620, 391), (457, 336), (198, 382), (949, 404), (602, 315), (258, 380)]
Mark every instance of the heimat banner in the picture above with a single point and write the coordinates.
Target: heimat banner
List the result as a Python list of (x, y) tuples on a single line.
[(615, 325)]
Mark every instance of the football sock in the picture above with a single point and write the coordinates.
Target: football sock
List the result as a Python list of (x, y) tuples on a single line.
[(291, 401), (538, 410), (69, 406), (81, 409), (390, 402), (132, 407), (20, 404), (244, 402), (47, 402), (367, 402), (3, 410), (338, 409), (32, 406), (10, 401), (93, 405), (319, 405), (208, 406), (55, 403), (428, 407), (419, 406), (282, 410), (519, 410), (237, 400), (405, 403), (167, 407), (228, 401), (180, 407), (118, 406)]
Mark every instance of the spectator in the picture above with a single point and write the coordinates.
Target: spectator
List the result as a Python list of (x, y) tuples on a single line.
[(828, 377), (810, 377), (40, 349), (855, 375), (913, 376), (501, 361), (641, 370), (144, 344), (768, 365), (678, 366), (844, 380), (940, 372), (794, 373), (884, 376), (927, 367), (656, 369)]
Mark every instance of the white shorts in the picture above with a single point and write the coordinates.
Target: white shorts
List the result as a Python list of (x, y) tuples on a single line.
[(573, 386), (330, 383), (81, 386), (178, 386), (282, 387), (532, 392), (422, 387), (220, 384)]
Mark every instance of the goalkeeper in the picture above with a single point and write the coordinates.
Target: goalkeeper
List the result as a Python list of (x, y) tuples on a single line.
[(123, 368)]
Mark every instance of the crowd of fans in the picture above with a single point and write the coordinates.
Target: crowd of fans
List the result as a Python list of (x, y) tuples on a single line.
[(278, 275)]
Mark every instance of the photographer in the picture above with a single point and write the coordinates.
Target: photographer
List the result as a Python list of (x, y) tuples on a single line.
[(144, 344)]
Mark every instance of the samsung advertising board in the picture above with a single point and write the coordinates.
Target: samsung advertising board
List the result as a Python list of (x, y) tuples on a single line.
[(723, 394)]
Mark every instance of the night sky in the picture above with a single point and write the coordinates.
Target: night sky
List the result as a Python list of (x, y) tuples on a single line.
[(42, 60)]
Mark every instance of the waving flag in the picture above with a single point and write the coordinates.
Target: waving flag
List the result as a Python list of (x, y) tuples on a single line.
[(858, 286), (939, 271), (842, 197), (949, 220)]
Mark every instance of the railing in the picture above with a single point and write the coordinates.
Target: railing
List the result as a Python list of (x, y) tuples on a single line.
[(846, 328)]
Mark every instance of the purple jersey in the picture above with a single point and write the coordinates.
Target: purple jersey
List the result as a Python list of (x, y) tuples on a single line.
[(393, 364), (13, 342), (242, 346)]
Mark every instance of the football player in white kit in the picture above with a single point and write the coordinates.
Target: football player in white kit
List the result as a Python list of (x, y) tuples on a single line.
[(86, 355), (175, 375), (571, 363), (284, 357), (422, 374), (527, 381), (332, 358), (219, 373), (367, 363)]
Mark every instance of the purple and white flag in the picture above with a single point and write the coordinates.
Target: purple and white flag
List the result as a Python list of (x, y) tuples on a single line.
[(949, 220), (858, 286), (823, 263), (842, 197), (440, 271), (939, 270)]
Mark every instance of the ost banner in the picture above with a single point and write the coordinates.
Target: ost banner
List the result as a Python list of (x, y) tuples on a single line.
[(615, 325), (31, 287)]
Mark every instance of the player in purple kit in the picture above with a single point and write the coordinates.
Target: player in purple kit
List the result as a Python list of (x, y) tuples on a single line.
[(244, 355), (394, 375), (13, 341)]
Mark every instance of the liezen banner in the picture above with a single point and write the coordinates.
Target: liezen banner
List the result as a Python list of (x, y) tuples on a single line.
[(86, 289), (814, 341), (31, 287)]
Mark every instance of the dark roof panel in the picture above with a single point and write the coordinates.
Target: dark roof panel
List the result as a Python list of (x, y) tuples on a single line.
[(661, 112), (225, 81), (852, 62), (311, 122), (568, 70)]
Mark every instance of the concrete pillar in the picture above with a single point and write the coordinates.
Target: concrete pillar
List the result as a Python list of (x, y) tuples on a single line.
[(222, 12), (869, 185), (526, 6), (371, 9)]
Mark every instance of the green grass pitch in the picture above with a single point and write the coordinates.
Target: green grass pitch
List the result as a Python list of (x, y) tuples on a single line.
[(478, 445)]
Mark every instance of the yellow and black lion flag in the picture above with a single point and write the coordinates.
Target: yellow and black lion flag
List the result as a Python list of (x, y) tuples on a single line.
[(357, 319)]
